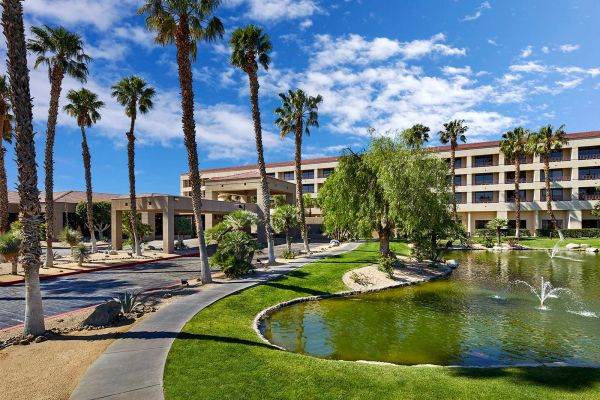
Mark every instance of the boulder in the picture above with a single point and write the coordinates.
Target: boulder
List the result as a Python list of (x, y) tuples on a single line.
[(572, 246), (498, 248), (334, 243), (104, 314), (452, 263), (584, 246), (591, 250)]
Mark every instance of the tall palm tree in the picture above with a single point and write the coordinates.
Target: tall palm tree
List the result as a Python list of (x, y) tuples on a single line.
[(29, 204), (62, 52), (416, 136), (513, 146), (452, 133), (185, 23), (298, 112), (134, 94), (6, 134), (543, 143), (84, 106), (250, 47)]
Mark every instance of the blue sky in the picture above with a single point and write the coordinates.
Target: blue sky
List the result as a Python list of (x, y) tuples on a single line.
[(385, 64)]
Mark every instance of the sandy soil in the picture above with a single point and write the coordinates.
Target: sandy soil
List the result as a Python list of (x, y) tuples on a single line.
[(370, 277)]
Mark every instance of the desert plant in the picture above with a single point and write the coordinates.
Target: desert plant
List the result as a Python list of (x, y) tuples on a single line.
[(387, 264), (284, 219), (81, 253), (9, 249), (70, 237), (234, 253), (288, 255), (359, 279), (128, 301)]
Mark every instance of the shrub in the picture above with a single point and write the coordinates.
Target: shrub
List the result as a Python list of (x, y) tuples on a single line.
[(387, 264), (234, 253), (360, 279), (488, 241), (513, 242), (288, 255), (128, 301), (81, 253), (70, 237), (10, 244)]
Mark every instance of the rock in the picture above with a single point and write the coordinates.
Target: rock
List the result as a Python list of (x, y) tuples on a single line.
[(572, 246), (498, 248), (591, 250), (104, 314), (24, 342), (113, 252), (40, 339), (584, 246), (452, 263), (334, 243)]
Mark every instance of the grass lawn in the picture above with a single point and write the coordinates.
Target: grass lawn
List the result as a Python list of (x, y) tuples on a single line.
[(219, 356), (547, 243)]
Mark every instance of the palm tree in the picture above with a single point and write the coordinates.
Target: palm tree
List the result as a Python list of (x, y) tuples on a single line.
[(497, 224), (134, 94), (416, 136), (29, 204), (251, 47), (6, 133), (84, 106), (62, 52), (452, 133), (284, 219), (185, 23), (513, 146), (297, 114), (543, 143)]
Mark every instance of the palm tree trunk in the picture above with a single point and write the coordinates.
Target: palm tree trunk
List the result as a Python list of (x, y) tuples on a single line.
[(299, 191), (15, 265), (288, 242), (87, 165), (548, 194), (384, 241), (189, 133), (264, 183), (518, 195), (3, 188), (453, 172), (56, 78), (29, 206), (137, 249)]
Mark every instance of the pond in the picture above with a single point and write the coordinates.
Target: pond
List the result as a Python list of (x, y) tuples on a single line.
[(478, 317)]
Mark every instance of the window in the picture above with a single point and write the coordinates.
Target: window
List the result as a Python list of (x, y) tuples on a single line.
[(309, 188), (555, 175), (556, 155), (484, 197), (555, 194), (589, 193), (510, 177), (512, 224), (459, 198), (510, 195), (590, 223), (586, 173), (481, 223), (288, 176), (308, 174), (458, 179), (483, 161), (547, 224), (589, 153), (483, 179), (327, 172), (271, 174)]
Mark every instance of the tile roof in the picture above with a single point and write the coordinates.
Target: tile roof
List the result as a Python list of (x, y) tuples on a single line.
[(270, 165), (69, 196)]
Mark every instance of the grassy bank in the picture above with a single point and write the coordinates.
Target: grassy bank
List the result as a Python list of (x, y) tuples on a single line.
[(219, 356)]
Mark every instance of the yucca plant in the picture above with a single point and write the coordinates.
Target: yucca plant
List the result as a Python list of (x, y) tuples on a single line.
[(128, 301), (70, 237), (81, 253)]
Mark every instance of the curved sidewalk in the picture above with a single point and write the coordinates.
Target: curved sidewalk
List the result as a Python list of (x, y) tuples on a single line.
[(132, 367)]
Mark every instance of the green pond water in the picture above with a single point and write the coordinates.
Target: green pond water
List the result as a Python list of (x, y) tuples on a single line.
[(477, 317)]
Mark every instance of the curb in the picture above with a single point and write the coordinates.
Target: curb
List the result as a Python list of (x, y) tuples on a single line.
[(125, 265)]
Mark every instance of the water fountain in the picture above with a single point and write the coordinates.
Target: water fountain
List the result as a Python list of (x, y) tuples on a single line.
[(555, 248), (545, 291)]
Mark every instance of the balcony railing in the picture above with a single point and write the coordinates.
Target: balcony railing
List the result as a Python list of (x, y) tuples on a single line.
[(557, 179), (511, 162), (493, 182), (594, 156), (523, 200), (559, 158), (522, 180), (482, 164), (589, 177), (589, 196), (461, 183), (476, 201)]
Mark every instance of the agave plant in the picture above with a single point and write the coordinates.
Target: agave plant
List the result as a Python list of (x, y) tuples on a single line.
[(81, 253), (128, 301)]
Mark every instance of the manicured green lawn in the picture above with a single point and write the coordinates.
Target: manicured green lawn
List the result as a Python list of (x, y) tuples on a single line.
[(219, 356), (547, 243)]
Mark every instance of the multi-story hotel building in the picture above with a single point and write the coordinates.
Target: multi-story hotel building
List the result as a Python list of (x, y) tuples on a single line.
[(484, 183)]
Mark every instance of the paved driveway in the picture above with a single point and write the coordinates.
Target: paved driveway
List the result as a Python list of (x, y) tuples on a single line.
[(77, 291)]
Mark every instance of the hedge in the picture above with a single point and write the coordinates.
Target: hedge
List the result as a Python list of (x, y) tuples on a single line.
[(567, 233)]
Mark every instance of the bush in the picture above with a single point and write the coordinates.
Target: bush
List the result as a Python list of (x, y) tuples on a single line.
[(234, 253), (81, 253), (10, 244), (288, 255), (387, 264), (360, 279), (128, 301), (488, 241), (570, 233), (70, 237), (513, 242)]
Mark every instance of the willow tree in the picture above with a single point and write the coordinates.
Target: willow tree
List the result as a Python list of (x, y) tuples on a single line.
[(513, 146), (62, 52), (454, 131), (251, 47), (135, 95), (29, 203), (185, 23), (6, 134), (297, 114), (84, 106), (543, 143), (416, 136)]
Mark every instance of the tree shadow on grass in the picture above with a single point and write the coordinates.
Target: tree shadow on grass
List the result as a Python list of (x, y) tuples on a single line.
[(566, 378), (294, 288)]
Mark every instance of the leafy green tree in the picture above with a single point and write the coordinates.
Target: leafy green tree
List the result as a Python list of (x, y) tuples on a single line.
[(185, 23), (497, 224), (101, 214), (297, 114), (6, 134), (251, 47), (284, 219), (62, 52), (135, 95), (144, 230), (84, 106), (277, 200), (454, 131), (416, 136), (543, 143), (513, 146)]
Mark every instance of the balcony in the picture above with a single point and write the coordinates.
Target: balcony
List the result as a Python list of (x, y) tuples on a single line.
[(589, 177), (528, 160), (491, 182), (557, 179), (484, 201), (595, 156), (522, 180), (558, 158), (484, 163), (586, 196), (523, 200)]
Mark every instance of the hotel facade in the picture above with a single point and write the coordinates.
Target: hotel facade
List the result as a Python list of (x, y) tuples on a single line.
[(484, 183)]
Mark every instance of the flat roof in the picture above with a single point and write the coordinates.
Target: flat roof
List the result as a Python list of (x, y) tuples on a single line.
[(67, 196)]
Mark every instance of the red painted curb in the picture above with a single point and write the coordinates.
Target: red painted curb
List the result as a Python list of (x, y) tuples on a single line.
[(131, 264)]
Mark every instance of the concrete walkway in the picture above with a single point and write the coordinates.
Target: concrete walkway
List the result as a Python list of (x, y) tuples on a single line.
[(133, 366)]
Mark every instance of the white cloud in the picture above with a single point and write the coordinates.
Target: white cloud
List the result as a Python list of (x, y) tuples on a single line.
[(531, 66), (478, 12), (276, 10), (136, 34), (447, 70), (569, 84), (307, 23), (107, 49), (545, 50), (526, 52), (492, 41), (567, 48)]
